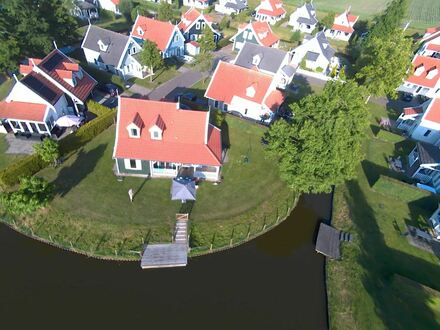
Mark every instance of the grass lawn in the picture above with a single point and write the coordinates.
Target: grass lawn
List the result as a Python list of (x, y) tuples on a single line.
[(92, 210), (5, 87), (362, 288), (168, 72), (6, 159)]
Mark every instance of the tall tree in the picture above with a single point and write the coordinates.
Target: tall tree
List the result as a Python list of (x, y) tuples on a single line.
[(206, 41), (204, 63), (165, 11), (390, 20), (126, 7), (151, 57), (321, 146), (328, 20), (384, 63)]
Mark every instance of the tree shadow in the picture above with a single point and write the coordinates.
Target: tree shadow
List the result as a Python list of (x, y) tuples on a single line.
[(304, 88), (373, 172), (226, 142), (84, 164), (380, 263)]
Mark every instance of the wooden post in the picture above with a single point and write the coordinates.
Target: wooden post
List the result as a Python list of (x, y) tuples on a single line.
[(50, 238), (71, 245), (232, 237), (210, 247), (249, 231)]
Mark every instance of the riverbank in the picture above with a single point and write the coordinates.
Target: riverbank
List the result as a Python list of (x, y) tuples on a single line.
[(91, 212), (381, 280)]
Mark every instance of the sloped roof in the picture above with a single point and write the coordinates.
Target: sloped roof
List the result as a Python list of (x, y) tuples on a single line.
[(191, 15), (237, 4), (351, 19), (116, 43), (325, 46), (231, 80), (271, 58), (428, 154), (428, 64), (274, 100), (153, 30), (23, 111), (262, 32), (183, 139), (42, 87), (310, 19), (276, 8), (433, 111), (57, 60)]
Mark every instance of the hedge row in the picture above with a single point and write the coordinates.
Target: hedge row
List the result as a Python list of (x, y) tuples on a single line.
[(32, 164), (97, 108), (87, 132), (389, 136), (399, 190)]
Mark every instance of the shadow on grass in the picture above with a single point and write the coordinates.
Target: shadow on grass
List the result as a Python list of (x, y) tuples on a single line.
[(226, 142), (380, 263), (84, 164), (374, 171)]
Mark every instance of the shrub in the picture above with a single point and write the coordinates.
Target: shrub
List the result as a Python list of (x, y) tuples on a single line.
[(399, 190), (223, 43), (319, 69), (224, 23), (302, 64), (106, 15), (97, 108), (33, 194), (296, 36), (389, 136), (48, 150), (87, 132), (24, 167), (217, 117)]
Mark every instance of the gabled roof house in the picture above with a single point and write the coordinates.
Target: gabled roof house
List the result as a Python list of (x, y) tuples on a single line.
[(200, 4), (304, 18), (270, 11), (165, 35), (343, 26), (424, 166), (229, 7), (246, 92), (259, 33), (113, 52), (424, 80), (271, 61), (316, 53), (422, 123), (158, 139), (193, 23), (52, 87), (111, 5), (430, 43)]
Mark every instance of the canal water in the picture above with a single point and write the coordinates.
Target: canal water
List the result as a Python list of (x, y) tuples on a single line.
[(273, 282)]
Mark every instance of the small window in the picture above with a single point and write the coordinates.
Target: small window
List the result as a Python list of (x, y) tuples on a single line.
[(245, 34), (176, 37), (132, 163), (203, 25), (134, 132), (250, 36), (198, 25), (225, 107), (156, 134), (216, 104), (15, 124), (42, 128), (428, 131)]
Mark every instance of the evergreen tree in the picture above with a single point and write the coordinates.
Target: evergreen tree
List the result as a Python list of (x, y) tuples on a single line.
[(151, 57), (207, 42), (321, 146), (390, 20), (328, 20), (126, 7), (165, 12)]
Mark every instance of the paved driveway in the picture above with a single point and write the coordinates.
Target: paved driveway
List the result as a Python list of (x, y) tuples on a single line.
[(172, 87), (20, 146)]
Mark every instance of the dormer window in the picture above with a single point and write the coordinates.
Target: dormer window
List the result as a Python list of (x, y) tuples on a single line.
[(157, 128), (135, 127), (140, 31), (102, 46), (250, 91), (256, 60), (419, 70), (432, 73)]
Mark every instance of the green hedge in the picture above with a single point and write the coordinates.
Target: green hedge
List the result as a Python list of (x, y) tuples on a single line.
[(389, 136), (27, 166), (223, 43), (87, 132), (399, 190), (97, 108)]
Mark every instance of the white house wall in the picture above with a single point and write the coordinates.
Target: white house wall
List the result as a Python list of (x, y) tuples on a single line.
[(420, 130), (21, 93), (109, 5)]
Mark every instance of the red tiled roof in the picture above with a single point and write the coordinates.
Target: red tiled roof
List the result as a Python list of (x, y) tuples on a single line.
[(23, 111), (116, 2), (274, 100), (71, 66), (154, 30), (190, 16), (433, 47), (433, 30), (183, 139), (231, 80), (277, 9), (27, 68), (429, 64), (194, 43), (137, 120), (58, 60), (343, 28), (412, 111), (433, 113), (352, 18), (264, 33), (64, 74)]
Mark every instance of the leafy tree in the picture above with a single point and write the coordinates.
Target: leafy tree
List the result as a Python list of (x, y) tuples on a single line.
[(384, 63), (206, 41), (204, 62), (32, 194), (165, 11), (30, 27), (48, 150), (224, 23), (321, 146), (243, 16), (9, 54), (390, 20), (126, 7), (296, 36), (151, 57), (217, 117), (328, 20)]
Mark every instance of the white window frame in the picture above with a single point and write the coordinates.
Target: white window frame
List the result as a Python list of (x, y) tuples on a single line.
[(198, 25), (245, 34), (127, 164)]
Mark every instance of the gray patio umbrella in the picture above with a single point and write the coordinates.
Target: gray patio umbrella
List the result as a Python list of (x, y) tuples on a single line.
[(183, 189)]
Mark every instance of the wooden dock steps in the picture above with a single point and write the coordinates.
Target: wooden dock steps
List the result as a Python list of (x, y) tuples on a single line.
[(174, 254)]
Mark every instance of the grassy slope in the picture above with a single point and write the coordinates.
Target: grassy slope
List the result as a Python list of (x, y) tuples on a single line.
[(92, 206), (362, 292)]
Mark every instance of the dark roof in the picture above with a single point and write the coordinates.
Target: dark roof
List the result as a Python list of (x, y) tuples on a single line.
[(289, 70), (311, 20), (312, 56), (428, 154), (271, 58), (238, 4), (57, 60), (116, 44), (43, 87), (327, 242), (327, 50), (84, 4)]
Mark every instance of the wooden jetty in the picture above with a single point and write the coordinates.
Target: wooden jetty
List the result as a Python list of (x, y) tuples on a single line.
[(327, 242), (173, 254)]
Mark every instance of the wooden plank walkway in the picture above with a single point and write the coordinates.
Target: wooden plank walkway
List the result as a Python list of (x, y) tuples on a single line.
[(174, 254), (327, 242)]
